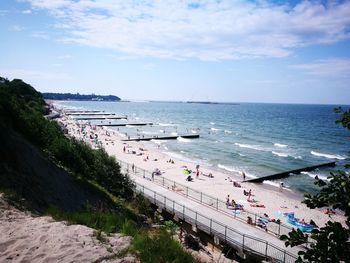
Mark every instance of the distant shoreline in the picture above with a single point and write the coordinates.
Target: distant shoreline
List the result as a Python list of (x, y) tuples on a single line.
[(79, 97)]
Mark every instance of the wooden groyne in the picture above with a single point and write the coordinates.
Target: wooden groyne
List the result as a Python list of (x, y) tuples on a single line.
[(124, 124), (90, 113), (83, 111), (287, 173), (190, 136), (101, 118)]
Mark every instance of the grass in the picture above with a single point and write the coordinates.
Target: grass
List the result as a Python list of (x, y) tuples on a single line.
[(150, 246), (159, 247)]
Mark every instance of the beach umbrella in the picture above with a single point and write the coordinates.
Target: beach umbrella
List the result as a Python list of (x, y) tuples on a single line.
[(184, 171)]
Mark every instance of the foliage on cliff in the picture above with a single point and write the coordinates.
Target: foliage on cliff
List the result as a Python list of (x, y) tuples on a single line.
[(22, 109)]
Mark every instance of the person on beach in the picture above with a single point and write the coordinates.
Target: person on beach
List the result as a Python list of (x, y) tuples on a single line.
[(228, 200), (281, 186), (124, 149), (249, 195), (133, 168), (197, 173), (243, 175), (233, 203)]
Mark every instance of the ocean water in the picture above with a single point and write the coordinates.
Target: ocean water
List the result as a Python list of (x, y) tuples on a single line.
[(259, 139)]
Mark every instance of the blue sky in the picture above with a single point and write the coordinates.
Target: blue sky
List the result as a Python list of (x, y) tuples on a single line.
[(240, 51)]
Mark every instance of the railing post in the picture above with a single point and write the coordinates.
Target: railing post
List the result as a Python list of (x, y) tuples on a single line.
[(211, 224), (225, 232), (187, 191), (279, 229), (255, 219), (266, 249), (217, 203), (201, 196), (144, 173), (163, 181), (284, 256), (183, 212), (173, 207), (243, 243)]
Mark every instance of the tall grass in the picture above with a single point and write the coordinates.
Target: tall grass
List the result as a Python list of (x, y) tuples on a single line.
[(160, 247), (150, 246)]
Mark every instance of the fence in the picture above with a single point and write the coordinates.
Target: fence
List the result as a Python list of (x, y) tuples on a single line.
[(212, 227), (272, 227)]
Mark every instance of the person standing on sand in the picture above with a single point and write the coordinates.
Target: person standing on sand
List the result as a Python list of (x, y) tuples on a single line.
[(243, 175)]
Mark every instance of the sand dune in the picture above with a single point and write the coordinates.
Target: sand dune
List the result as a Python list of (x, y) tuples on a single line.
[(25, 238)]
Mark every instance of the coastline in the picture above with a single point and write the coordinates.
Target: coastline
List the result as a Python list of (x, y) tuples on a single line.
[(276, 203)]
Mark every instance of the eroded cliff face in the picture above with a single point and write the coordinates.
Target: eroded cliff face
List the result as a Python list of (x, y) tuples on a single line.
[(38, 181)]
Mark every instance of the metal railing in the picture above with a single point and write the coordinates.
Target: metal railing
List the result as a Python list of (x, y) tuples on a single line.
[(223, 232), (271, 227)]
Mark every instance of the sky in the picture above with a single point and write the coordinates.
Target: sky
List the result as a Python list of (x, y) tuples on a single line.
[(223, 51)]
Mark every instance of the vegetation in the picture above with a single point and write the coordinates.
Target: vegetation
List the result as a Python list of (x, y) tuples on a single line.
[(22, 110), (332, 242), (70, 96), (150, 246)]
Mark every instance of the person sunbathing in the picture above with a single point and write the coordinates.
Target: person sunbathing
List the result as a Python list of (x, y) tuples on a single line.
[(189, 178)]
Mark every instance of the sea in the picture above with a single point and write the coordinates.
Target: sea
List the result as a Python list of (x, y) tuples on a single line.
[(257, 138)]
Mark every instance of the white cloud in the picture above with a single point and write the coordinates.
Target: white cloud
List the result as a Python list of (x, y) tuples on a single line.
[(17, 28), (27, 12), (207, 30), (29, 75), (3, 12), (328, 67), (40, 34), (65, 56)]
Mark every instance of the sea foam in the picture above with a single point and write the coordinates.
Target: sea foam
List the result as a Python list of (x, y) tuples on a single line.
[(312, 175), (166, 124), (329, 156), (180, 139), (249, 146), (280, 145), (280, 154)]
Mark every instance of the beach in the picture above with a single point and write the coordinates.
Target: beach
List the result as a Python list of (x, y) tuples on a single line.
[(264, 199)]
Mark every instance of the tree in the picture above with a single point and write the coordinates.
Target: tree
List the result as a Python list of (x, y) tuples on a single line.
[(331, 242)]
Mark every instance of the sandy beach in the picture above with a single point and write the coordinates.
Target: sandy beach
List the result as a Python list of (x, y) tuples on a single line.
[(266, 198)]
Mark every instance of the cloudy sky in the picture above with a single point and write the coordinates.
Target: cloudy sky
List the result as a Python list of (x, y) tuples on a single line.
[(240, 51)]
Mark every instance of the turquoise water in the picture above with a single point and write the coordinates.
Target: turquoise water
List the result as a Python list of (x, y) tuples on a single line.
[(260, 139)]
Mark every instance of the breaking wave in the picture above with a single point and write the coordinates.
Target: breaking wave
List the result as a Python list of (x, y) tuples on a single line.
[(180, 139), (280, 145), (280, 154), (249, 146), (329, 156)]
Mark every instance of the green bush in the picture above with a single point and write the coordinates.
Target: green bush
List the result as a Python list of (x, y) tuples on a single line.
[(160, 247)]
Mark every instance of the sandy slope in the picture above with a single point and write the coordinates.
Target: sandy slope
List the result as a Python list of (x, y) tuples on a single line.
[(25, 238)]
